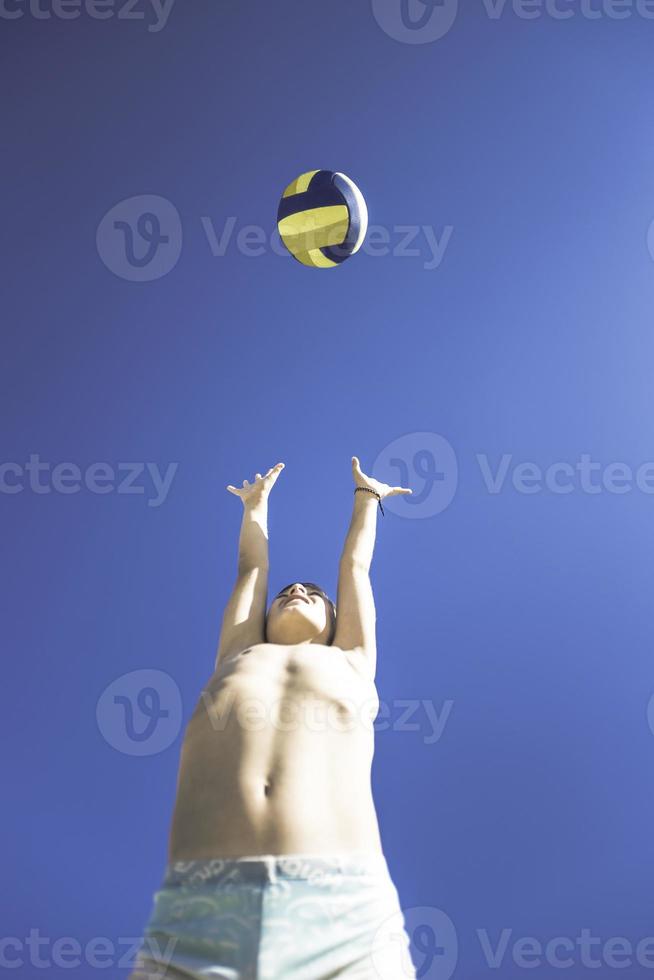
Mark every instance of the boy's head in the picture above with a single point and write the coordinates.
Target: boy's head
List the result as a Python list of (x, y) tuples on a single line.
[(301, 613)]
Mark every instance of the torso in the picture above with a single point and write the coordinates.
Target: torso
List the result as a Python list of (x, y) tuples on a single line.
[(277, 756)]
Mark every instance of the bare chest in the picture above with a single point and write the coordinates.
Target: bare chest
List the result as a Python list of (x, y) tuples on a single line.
[(268, 674)]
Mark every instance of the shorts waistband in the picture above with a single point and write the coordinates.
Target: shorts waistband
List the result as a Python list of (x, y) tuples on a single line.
[(268, 868)]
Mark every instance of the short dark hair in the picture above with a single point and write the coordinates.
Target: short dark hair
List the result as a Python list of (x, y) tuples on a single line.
[(330, 606)]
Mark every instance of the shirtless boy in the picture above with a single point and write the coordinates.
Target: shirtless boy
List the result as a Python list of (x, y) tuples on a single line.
[(275, 865)]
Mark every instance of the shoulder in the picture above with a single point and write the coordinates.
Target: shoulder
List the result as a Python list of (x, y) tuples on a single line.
[(361, 661)]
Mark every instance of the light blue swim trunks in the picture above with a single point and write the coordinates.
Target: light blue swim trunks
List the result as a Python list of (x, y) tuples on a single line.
[(277, 917)]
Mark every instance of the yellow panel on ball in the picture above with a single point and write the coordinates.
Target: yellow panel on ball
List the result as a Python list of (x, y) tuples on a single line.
[(315, 228), (315, 258)]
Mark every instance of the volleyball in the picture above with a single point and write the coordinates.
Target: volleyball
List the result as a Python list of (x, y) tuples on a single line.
[(322, 218)]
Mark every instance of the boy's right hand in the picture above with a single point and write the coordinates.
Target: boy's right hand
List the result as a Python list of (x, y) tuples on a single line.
[(254, 493)]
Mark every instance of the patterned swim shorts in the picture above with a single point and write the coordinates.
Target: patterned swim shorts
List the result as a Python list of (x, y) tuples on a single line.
[(277, 917)]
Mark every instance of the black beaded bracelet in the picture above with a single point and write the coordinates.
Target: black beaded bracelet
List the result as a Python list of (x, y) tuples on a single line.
[(369, 490)]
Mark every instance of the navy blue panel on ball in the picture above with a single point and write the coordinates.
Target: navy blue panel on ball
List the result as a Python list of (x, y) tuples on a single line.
[(320, 197), (337, 253), (321, 180)]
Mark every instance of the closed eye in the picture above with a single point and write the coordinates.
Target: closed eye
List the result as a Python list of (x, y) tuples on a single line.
[(285, 595)]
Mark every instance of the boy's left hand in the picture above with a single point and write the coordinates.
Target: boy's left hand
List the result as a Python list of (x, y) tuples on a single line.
[(383, 489)]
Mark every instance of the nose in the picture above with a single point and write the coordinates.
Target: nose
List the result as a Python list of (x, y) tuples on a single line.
[(298, 587)]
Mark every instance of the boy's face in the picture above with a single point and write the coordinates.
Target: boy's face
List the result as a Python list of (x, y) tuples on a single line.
[(299, 614)]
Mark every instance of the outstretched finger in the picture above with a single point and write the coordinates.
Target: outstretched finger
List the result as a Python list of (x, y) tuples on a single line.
[(257, 476), (356, 466), (231, 488), (401, 490)]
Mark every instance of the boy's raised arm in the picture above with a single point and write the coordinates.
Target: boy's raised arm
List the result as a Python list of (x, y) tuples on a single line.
[(244, 616), (355, 606)]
